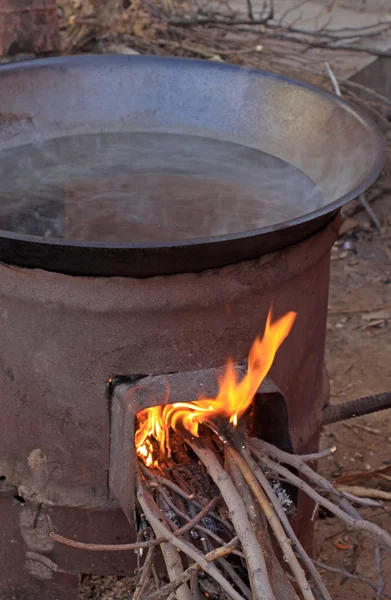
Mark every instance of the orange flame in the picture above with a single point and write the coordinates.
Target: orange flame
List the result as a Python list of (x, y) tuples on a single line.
[(232, 400)]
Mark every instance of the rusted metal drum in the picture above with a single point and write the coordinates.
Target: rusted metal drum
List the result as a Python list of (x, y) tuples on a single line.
[(63, 337)]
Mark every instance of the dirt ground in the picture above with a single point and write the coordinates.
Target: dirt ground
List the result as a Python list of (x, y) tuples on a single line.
[(358, 360)]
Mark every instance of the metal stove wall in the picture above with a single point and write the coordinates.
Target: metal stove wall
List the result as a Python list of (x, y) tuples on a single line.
[(62, 337)]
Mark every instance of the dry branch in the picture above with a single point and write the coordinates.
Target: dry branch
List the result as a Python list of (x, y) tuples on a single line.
[(378, 535), (193, 569), (153, 515), (137, 545), (296, 462), (259, 580), (252, 504), (185, 517), (287, 526), (247, 470), (281, 585), (348, 575), (178, 490), (379, 572), (145, 574)]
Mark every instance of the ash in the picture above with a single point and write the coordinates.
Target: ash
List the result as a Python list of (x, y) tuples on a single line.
[(284, 498), (168, 512), (210, 524)]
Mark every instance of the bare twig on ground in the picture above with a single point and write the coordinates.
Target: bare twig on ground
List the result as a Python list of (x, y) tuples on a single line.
[(250, 12), (379, 572), (348, 575), (290, 10), (365, 204), (333, 78), (362, 198), (357, 311), (367, 502), (222, 20), (330, 45), (333, 34), (363, 492), (362, 88), (320, 38)]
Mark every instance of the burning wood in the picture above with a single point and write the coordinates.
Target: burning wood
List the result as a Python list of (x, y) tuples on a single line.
[(232, 401), (222, 517)]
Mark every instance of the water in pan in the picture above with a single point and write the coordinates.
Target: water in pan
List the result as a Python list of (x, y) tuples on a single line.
[(146, 187)]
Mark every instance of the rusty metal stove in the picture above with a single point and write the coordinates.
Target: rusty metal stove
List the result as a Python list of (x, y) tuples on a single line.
[(66, 428)]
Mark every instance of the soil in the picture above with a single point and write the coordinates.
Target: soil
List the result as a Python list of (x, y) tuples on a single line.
[(358, 361)]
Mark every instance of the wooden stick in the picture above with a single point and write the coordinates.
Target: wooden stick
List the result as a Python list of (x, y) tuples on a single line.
[(259, 579), (136, 545), (287, 526), (379, 535), (365, 501), (151, 511), (297, 463), (333, 78), (185, 517), (382, 99), (370, 212), (247, 470), (171, 557), (174, 568), (175, 488), (348, 575), (281, 585), (317, 455), (193, 569), (228, 568), (146, 571), (379, 572)]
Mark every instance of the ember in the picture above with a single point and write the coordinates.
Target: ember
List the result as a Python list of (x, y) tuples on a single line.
[(232, 400)]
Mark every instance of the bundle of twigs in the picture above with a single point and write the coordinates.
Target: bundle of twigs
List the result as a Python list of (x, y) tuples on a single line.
[(226, 517)]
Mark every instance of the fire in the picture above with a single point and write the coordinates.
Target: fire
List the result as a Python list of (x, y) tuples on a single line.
[(232, 400)]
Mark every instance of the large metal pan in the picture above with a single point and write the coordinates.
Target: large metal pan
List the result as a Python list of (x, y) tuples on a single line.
[(335, 145)]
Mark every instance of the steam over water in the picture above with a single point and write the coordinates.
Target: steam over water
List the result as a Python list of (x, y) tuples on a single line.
[(147, 187)]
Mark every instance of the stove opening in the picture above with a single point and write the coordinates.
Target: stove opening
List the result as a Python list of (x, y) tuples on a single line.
[(156, 424)]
